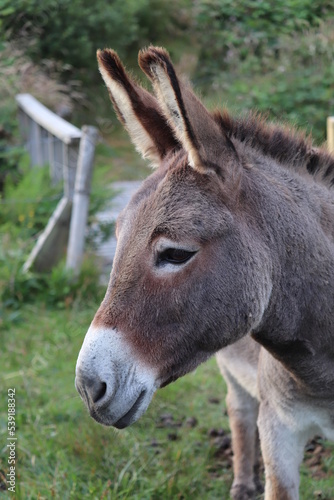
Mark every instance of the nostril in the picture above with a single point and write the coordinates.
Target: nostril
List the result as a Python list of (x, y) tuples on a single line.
[(98, 391), (91, 389)]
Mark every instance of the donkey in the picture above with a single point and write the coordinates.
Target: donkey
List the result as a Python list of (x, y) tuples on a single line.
[(227, 248)]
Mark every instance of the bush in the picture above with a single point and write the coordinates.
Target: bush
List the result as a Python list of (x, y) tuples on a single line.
[(10, 157), (271, 56), (71, 30), (56, 289), (232, 32), (29, 203)]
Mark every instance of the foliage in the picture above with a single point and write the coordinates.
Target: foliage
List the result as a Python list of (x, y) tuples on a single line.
[(10, 157), (270, 56), (234, 31), (18, 74), (57, 289), (29, 202), (24, 212), (86, 26)]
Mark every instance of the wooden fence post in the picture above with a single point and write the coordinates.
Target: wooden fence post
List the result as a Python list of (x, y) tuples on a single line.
[(330, 134), (81, 198), (50, 139), (50, 245)]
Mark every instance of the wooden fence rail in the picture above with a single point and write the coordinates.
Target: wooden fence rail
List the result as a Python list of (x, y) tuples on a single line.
[(52, 140)]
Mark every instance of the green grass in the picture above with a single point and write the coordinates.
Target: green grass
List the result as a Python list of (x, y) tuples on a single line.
[(63, 453)]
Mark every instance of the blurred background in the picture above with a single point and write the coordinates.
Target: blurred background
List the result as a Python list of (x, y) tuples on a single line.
[(272, 56)]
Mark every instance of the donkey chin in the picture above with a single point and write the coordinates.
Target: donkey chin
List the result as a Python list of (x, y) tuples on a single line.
[(115, 387)]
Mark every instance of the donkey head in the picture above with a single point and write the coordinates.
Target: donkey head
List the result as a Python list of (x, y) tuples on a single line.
[(189, 276)]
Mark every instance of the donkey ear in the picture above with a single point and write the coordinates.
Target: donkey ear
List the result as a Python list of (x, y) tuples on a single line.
[(194, 127), (136, 109)]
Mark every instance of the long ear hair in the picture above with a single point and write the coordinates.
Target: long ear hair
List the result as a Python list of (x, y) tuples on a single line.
[(137, 109), (195, 128)]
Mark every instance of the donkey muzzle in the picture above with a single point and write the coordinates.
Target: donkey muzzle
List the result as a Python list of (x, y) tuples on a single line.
[(115, 387)]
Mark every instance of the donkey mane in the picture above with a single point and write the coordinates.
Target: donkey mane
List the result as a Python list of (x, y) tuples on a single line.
[(286, 145)]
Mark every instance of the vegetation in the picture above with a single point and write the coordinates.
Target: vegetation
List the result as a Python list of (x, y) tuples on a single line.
[(87, 26), (273, 56)]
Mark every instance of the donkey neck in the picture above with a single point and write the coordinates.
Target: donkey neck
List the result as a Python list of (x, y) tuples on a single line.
[(296, 216)]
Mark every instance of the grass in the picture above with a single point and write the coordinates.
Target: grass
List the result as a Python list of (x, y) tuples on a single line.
[(63, 453)]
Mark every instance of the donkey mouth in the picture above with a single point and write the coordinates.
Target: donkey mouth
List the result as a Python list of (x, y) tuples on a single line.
[(169, 380), (129, 417), (103, 417)]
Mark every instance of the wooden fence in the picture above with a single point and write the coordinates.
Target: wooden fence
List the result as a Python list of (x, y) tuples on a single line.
[(69, 152), (330, 134)]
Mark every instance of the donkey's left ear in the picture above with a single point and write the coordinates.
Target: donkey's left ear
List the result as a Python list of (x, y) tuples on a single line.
[(207, 146), (137, 110)]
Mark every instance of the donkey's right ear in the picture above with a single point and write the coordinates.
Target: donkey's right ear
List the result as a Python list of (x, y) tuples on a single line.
[(136, 109)]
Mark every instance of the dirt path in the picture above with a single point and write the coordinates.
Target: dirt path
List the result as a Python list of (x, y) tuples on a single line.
[(106, 250)]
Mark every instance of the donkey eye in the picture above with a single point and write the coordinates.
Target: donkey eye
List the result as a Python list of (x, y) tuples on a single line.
[(174, 256)]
